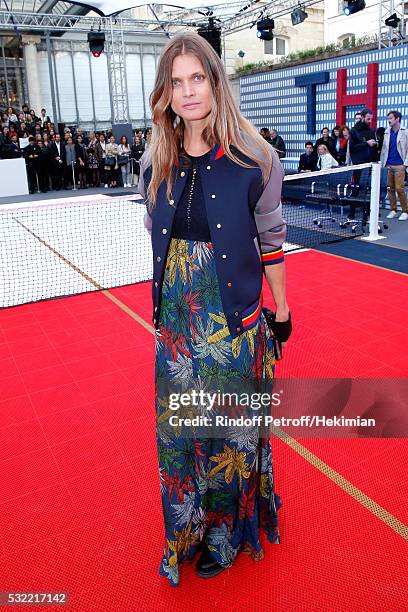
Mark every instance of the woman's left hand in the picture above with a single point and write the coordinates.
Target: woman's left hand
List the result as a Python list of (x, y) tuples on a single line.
[(282, 316)]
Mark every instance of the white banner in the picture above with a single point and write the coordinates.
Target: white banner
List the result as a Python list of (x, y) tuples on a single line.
[(23, 142)]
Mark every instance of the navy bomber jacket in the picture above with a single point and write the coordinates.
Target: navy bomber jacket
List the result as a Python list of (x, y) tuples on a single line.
[(246, 227)]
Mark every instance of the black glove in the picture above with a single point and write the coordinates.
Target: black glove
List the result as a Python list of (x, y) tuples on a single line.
[(280, 329)]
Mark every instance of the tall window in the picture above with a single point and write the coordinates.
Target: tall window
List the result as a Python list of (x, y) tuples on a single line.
[(280, 46), (268, 47), (277, 46)]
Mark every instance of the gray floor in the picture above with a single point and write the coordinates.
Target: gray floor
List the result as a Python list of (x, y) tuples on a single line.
[(396, 235)]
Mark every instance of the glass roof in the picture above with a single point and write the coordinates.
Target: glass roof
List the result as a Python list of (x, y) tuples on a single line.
[(57, 7)]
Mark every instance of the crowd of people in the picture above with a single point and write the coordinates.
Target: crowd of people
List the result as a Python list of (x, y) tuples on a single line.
[(56, 161), (345, 146)]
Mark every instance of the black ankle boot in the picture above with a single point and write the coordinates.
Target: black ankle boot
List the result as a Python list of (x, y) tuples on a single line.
[(207, 566)]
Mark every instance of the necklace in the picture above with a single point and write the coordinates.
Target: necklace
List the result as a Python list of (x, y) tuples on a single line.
[(190, 197)]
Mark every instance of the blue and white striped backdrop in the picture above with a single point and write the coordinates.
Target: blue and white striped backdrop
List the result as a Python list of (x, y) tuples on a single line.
[(271, 99)]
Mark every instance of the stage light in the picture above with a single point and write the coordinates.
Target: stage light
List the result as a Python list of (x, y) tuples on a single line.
[(265, 28), (298, 16), (96, 41), (392, 21), (212, 34), (353, 6)]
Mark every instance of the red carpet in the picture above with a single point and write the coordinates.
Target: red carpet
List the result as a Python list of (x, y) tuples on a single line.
[(80, 508)]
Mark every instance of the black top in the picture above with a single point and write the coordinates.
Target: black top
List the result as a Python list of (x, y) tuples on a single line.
[(307, 162), (360, 151), (190, 219)]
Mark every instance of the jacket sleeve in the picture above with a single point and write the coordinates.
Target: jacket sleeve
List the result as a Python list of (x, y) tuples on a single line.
[(141, 190), (356, 144), (268, 217), (384, 149), (406, 145)]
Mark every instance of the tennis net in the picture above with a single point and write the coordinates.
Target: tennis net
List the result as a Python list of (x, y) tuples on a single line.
[(328, 206), (68, 247)]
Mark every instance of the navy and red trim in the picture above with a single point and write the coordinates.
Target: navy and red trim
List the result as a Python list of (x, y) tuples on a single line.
[(273, 257), (217, 152), (251, 315)]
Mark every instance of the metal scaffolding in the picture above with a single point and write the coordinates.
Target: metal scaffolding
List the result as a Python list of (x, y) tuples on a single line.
[(230, 17), (389, 36), (117, 74)]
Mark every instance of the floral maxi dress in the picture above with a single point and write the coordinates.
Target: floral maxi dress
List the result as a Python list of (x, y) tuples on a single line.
[(218, 492)]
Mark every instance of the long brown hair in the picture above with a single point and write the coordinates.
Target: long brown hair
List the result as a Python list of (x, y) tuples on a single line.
[(225, 124)]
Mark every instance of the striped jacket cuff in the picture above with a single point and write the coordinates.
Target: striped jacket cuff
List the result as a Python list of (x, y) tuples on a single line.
[(273, 257)]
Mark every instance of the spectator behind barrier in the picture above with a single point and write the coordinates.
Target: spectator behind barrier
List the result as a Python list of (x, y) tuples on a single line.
[(308, 159), (363, 143), (327, 140), (325, 160)]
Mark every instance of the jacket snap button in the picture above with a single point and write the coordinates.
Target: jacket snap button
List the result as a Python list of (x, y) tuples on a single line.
[(164, 231), (238, 329), (156, 284), (229, 284), (213, 195), (171, 202), (158, 258), (208, 167), (182, 174), (224, 256), (154, 321), (236, 314), (155, 309), (218, 225)]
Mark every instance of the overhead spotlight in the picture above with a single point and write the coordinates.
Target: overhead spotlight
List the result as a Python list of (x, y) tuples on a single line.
[(353, 6), (392, 21), (265, 28), (298, 16), (96, 41), (212, 34)]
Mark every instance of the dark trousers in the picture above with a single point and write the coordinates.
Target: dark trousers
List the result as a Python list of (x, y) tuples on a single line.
[(93, 177), (361, 186), (43, 179), (32, 177), (102, 172), (68, 176), (57, 175)]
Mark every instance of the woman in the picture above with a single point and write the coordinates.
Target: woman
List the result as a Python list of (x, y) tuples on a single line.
[(111, 167), (100, 152), (325, 160), (46, 139), (147, 137), (124, 150), (70, 163), (82, 159), (12, 117), (23, 132), (92, 141), (212, 187), (336, 131), (343, 145), (93, 168), (4, 121), (44, 166), (34, 117), (136, 152)]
